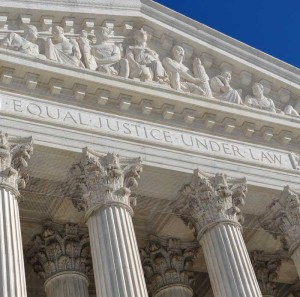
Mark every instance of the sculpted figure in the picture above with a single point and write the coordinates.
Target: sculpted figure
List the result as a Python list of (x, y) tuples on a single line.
[(26, 44), (104, 57), (291, 111), (144, 63), (259, 100), (220, 84), (182, 79), (63, 50)]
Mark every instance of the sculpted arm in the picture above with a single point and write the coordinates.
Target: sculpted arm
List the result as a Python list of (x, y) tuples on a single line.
[(75, 50), (272, 106), (130, 58), (172, 67), (12, 41), (114, 58)]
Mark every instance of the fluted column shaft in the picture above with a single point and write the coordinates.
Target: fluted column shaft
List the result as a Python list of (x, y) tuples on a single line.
[(228, 262), (175, 291), (296, 258), (68, 284), (13, 158), (12, 273), (211, 205), (102, 188), (116, 261)]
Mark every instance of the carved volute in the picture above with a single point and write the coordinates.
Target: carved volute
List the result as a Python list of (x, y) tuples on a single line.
[(14, 158), (102, 180), (282, 219), (209, 200)]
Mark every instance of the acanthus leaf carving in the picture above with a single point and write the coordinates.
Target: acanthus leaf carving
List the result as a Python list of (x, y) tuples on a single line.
[(208, 200), (282, 219), (99, 180), (168, 262), (266, 268), (54, 251), (14, 157)]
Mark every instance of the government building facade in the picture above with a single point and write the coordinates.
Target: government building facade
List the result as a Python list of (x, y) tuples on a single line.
[(143, 154)]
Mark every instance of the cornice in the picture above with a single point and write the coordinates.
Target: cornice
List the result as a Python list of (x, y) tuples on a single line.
[(150, 102)]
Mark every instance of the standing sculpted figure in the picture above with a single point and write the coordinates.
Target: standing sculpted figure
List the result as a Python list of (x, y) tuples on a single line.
[(63, 50), (220, 85), (259, 100), (182, 79), (144, 63), (26, 44), (104, 56)]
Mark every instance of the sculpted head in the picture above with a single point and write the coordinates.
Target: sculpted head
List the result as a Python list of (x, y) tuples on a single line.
[(258, 90), (140, 36), (226, 75), (178, 53), (102, 34), (31, 33), (58, 33)]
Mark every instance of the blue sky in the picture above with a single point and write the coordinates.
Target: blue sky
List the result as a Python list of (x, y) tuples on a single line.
[(271, 26)]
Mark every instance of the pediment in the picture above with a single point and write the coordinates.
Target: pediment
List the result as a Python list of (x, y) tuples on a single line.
[(73, 80)]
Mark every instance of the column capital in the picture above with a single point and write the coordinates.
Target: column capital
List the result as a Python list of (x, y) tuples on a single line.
[(100, 180), (55, 251), (210, 200), (282, 218), (168, 262), (266, 268), (14, 155)]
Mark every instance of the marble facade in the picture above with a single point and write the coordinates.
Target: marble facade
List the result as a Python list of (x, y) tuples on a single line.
[(143, 154)]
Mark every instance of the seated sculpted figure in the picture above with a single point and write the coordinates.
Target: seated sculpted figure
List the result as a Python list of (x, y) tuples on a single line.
[(220, 85), (104, 57), (291, 111), (26, 44), (144, 63), (63, 50), (182, 79), (259, 100)]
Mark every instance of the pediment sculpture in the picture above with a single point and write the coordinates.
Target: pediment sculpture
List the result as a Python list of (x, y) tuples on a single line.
[(258, 100), (182, 79), (220, 85), (291, 111), (63, 50), (103, 56), (144, 62), (101, 51), (26, 45)]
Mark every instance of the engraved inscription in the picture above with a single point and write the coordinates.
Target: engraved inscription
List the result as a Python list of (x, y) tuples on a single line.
[(121, 127)]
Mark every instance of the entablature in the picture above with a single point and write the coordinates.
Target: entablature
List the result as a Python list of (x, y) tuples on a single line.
[(147, 101)]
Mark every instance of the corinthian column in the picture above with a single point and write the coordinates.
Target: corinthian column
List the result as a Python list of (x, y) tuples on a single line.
[(13, 157), (104, 183), (167, 265), (210, 206), (61, 258), (282, 218), (266, 268)]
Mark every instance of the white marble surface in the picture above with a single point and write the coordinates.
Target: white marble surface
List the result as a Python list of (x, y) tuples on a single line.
[(67, 284), (116, 261), (12, 272), (228, 262)]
